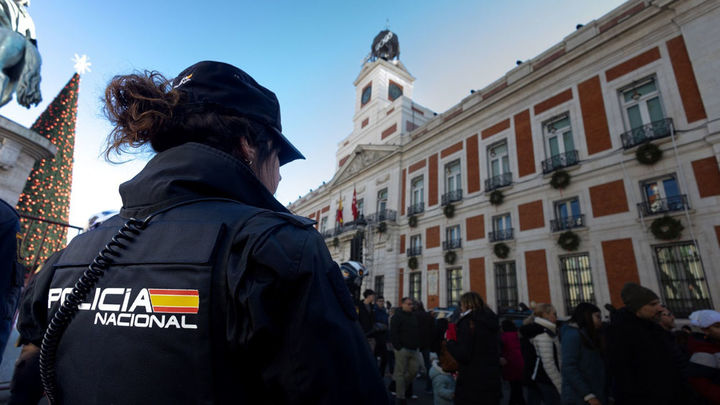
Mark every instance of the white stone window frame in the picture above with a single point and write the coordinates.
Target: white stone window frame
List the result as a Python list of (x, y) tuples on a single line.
[(572, 109), (547, 131), (382, 201), (641, 101), (458, 182), (490, 159), (452, 236), (417, 196)]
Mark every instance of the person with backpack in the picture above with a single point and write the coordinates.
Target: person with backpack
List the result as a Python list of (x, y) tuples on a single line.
[(477, 353), (542, 354), (583, 367)]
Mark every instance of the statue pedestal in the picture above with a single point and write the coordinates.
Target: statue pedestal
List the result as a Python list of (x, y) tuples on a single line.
[(20, 148)]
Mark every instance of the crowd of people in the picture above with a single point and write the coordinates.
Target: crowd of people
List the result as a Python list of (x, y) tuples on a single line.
[(637, 355)]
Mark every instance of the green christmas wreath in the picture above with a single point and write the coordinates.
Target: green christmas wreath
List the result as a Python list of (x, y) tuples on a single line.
[(560, 179), (412, 221), (666, 228), (501, 250), (496, 197), (413, 263), (449, 210), (336, 242), (648, 154), (450, 257), (569, 240), (382, 227)]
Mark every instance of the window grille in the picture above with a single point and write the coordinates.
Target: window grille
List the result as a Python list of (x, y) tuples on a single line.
[(577, 280), (506, 286), (684, 287)]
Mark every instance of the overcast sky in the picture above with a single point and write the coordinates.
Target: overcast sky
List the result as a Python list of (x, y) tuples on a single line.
[(307, 52)]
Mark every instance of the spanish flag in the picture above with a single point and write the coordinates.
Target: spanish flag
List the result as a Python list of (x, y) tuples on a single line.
[(175, 301)]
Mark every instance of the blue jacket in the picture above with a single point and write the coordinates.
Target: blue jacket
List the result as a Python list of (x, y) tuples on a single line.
[(443, 385), (583, 369)]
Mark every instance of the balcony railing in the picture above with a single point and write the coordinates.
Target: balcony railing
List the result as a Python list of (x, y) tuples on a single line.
[(498, 181), (451, 197), (501, 234), (559, 161), (416, 208), (663, 205), (382, 215), (452, 244), (563, 224), (328, 233), (414, 251), (654, 130)]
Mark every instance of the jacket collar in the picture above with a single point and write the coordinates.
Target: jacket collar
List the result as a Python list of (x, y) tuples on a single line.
[(192, 171), (545, 323)]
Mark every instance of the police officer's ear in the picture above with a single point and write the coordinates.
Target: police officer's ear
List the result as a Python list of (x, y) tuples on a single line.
[(249, 152)]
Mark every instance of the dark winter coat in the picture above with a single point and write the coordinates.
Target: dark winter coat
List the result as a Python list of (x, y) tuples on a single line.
[(427, 329), (513, 369), (366, 318), (583, 368), (477, 351), (265, 317), (405, 330), (11, 273), (642, 363)]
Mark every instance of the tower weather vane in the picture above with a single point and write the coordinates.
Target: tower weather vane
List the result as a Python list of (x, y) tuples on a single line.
[(19, 57)]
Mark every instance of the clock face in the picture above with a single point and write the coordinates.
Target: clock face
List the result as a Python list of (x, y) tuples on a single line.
[(366, 93), (394, 91)]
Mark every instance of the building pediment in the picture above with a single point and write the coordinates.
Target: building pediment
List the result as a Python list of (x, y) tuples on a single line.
[(361, 158)]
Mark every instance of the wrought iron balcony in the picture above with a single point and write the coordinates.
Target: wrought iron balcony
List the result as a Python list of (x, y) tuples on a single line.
[(452, 244), (501, 234), (663, 205), (328, 233), (654, 130), (498, 181), (416, 208), (414, 251), (451, 197), (382, 215), (559, 161), (562, 224)]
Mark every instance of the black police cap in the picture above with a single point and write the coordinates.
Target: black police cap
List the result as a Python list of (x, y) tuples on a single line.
[(224, 85)]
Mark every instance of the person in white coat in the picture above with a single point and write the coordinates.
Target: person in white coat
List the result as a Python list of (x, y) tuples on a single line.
[(542, 354)]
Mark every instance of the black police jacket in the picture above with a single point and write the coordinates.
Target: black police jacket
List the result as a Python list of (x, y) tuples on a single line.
[(226, 298)]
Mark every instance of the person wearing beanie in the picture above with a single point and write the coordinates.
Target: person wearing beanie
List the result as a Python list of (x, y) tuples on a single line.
[(643, 363)]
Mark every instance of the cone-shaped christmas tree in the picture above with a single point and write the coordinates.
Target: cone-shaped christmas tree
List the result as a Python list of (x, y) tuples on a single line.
[(47, 191)]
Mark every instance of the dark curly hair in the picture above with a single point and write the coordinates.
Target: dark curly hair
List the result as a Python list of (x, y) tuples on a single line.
[(145, 110)]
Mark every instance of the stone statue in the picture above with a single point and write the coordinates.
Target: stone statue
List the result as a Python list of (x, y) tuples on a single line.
[(19, 57)]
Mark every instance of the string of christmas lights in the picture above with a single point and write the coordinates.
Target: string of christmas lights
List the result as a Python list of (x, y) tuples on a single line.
[(47, 191)]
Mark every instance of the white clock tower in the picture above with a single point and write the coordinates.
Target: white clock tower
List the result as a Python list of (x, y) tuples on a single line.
[(384, 110)]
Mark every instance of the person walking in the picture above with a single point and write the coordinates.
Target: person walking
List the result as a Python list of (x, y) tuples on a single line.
[(512, 361), (366, 315), (406, 340), (584, 380), (542, 356), (477, 353), (642, 363), (212, 292)]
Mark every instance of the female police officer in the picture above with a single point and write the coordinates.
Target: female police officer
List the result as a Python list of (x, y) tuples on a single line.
[(215, 293)]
